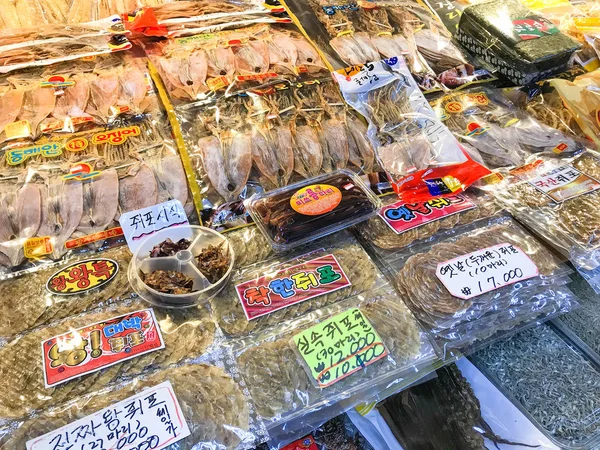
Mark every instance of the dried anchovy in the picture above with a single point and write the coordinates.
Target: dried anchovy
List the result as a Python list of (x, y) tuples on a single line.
[(169, 248), (551, 380), (213, 262), (168, 282)]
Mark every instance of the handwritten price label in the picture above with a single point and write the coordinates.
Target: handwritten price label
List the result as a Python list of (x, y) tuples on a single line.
[(339, 346), (485, 270), (151, 419)]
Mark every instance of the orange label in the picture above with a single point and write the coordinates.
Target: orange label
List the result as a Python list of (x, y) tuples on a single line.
[(214, 84), (526, 168), (492, 178), (100, 236), (37, 246), (454, 107), (257, 76), (76, 145), (560, 148), (480, 98), (316, 199), (16, 130)]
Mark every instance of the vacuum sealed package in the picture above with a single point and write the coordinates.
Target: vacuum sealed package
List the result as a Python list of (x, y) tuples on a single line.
[(52, 364), (203, 405), (399, 224), (529, 365), (308, 210), (267, 293), (557, 198), (581, 98), (269, 138), (419, 154), (522, 46), (483, 119), (486, 279), (207, 65), (288, 380)]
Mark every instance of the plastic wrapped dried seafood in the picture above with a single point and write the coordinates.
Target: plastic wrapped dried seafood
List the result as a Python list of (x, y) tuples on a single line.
[(558, 199), (485, 279), (249, 245), (35, 299), (207, 65), (58, 208), (522, 46), (553, 383), (419, 154), (285, 287), (34, 376), (483, 119), (212, 403), (278, 378), (363, 32), (580, 96), (399, 224), (269, 138)]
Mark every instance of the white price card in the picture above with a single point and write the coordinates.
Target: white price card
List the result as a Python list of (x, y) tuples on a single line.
[(490, 268), (151, 419), (144, 222)]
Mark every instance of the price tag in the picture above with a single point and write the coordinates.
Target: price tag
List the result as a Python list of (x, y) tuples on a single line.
[(401, 216), (291, 285), (151, 419), (99, 345), (339, 346), (141, 223), (476, 273), (564, 183)]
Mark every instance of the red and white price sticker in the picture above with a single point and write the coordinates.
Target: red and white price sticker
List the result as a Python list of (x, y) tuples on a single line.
[(485, 270)]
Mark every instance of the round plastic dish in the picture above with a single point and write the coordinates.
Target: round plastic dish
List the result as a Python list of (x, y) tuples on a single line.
[(183, 261)]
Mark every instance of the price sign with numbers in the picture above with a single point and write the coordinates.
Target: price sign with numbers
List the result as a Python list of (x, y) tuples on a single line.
[(339, 347), (151, 419), (490, 268)]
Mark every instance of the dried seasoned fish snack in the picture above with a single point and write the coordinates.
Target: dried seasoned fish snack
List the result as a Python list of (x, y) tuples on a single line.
[(27, 303), (213, 404), (249, 245), (353, 260), (286, 388), (187, 334)]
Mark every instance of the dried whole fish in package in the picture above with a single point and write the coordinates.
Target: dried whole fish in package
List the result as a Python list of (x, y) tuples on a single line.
[(285, 389), (459, 322), (214, 406), (186, 334)]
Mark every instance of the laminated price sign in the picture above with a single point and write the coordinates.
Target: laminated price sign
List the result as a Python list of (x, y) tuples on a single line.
[(339, 346), (151, 419), (476, 273)]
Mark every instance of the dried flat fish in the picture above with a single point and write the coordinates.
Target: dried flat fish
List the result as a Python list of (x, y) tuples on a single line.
[(100, 202), (170, 175), (105, 90), (74, 100), (275, 163), (360, 151), (348, 49), (336, 139), (251, 58), (134, 88), (38, 104), (308, 154), (10, 106)]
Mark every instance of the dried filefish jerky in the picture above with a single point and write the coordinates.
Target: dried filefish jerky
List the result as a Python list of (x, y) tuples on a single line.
[(249, 245), (285, 387), (169, 248), (213, 405), (27, 303), (187, 334), (168, 281), (354, 261), (550, 380)]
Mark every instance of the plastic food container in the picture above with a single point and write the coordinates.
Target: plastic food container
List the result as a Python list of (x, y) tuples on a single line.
[(305, 211), (183, 261)]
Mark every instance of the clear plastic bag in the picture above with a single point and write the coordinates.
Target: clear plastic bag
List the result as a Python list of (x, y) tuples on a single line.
[(419, 154)]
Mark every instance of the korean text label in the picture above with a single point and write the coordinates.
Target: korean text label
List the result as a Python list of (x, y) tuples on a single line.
[(151, 419), (564, 183), (292, 285), (82, 276), (339, 347), (490, 268), (141, 223), (402, 217), (99, 345)]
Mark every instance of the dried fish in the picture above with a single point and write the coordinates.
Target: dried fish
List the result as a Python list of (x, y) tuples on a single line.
[(100, 202), (137, 189), (308, 154)]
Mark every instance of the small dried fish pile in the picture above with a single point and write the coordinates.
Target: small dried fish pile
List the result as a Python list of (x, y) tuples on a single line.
[(378, 231), (457, 323), (214, 406), (550, 381), (353, 260), (187, 334), (441, 413), (285, 388), (194, 68), (485, 120), (28, 304)]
